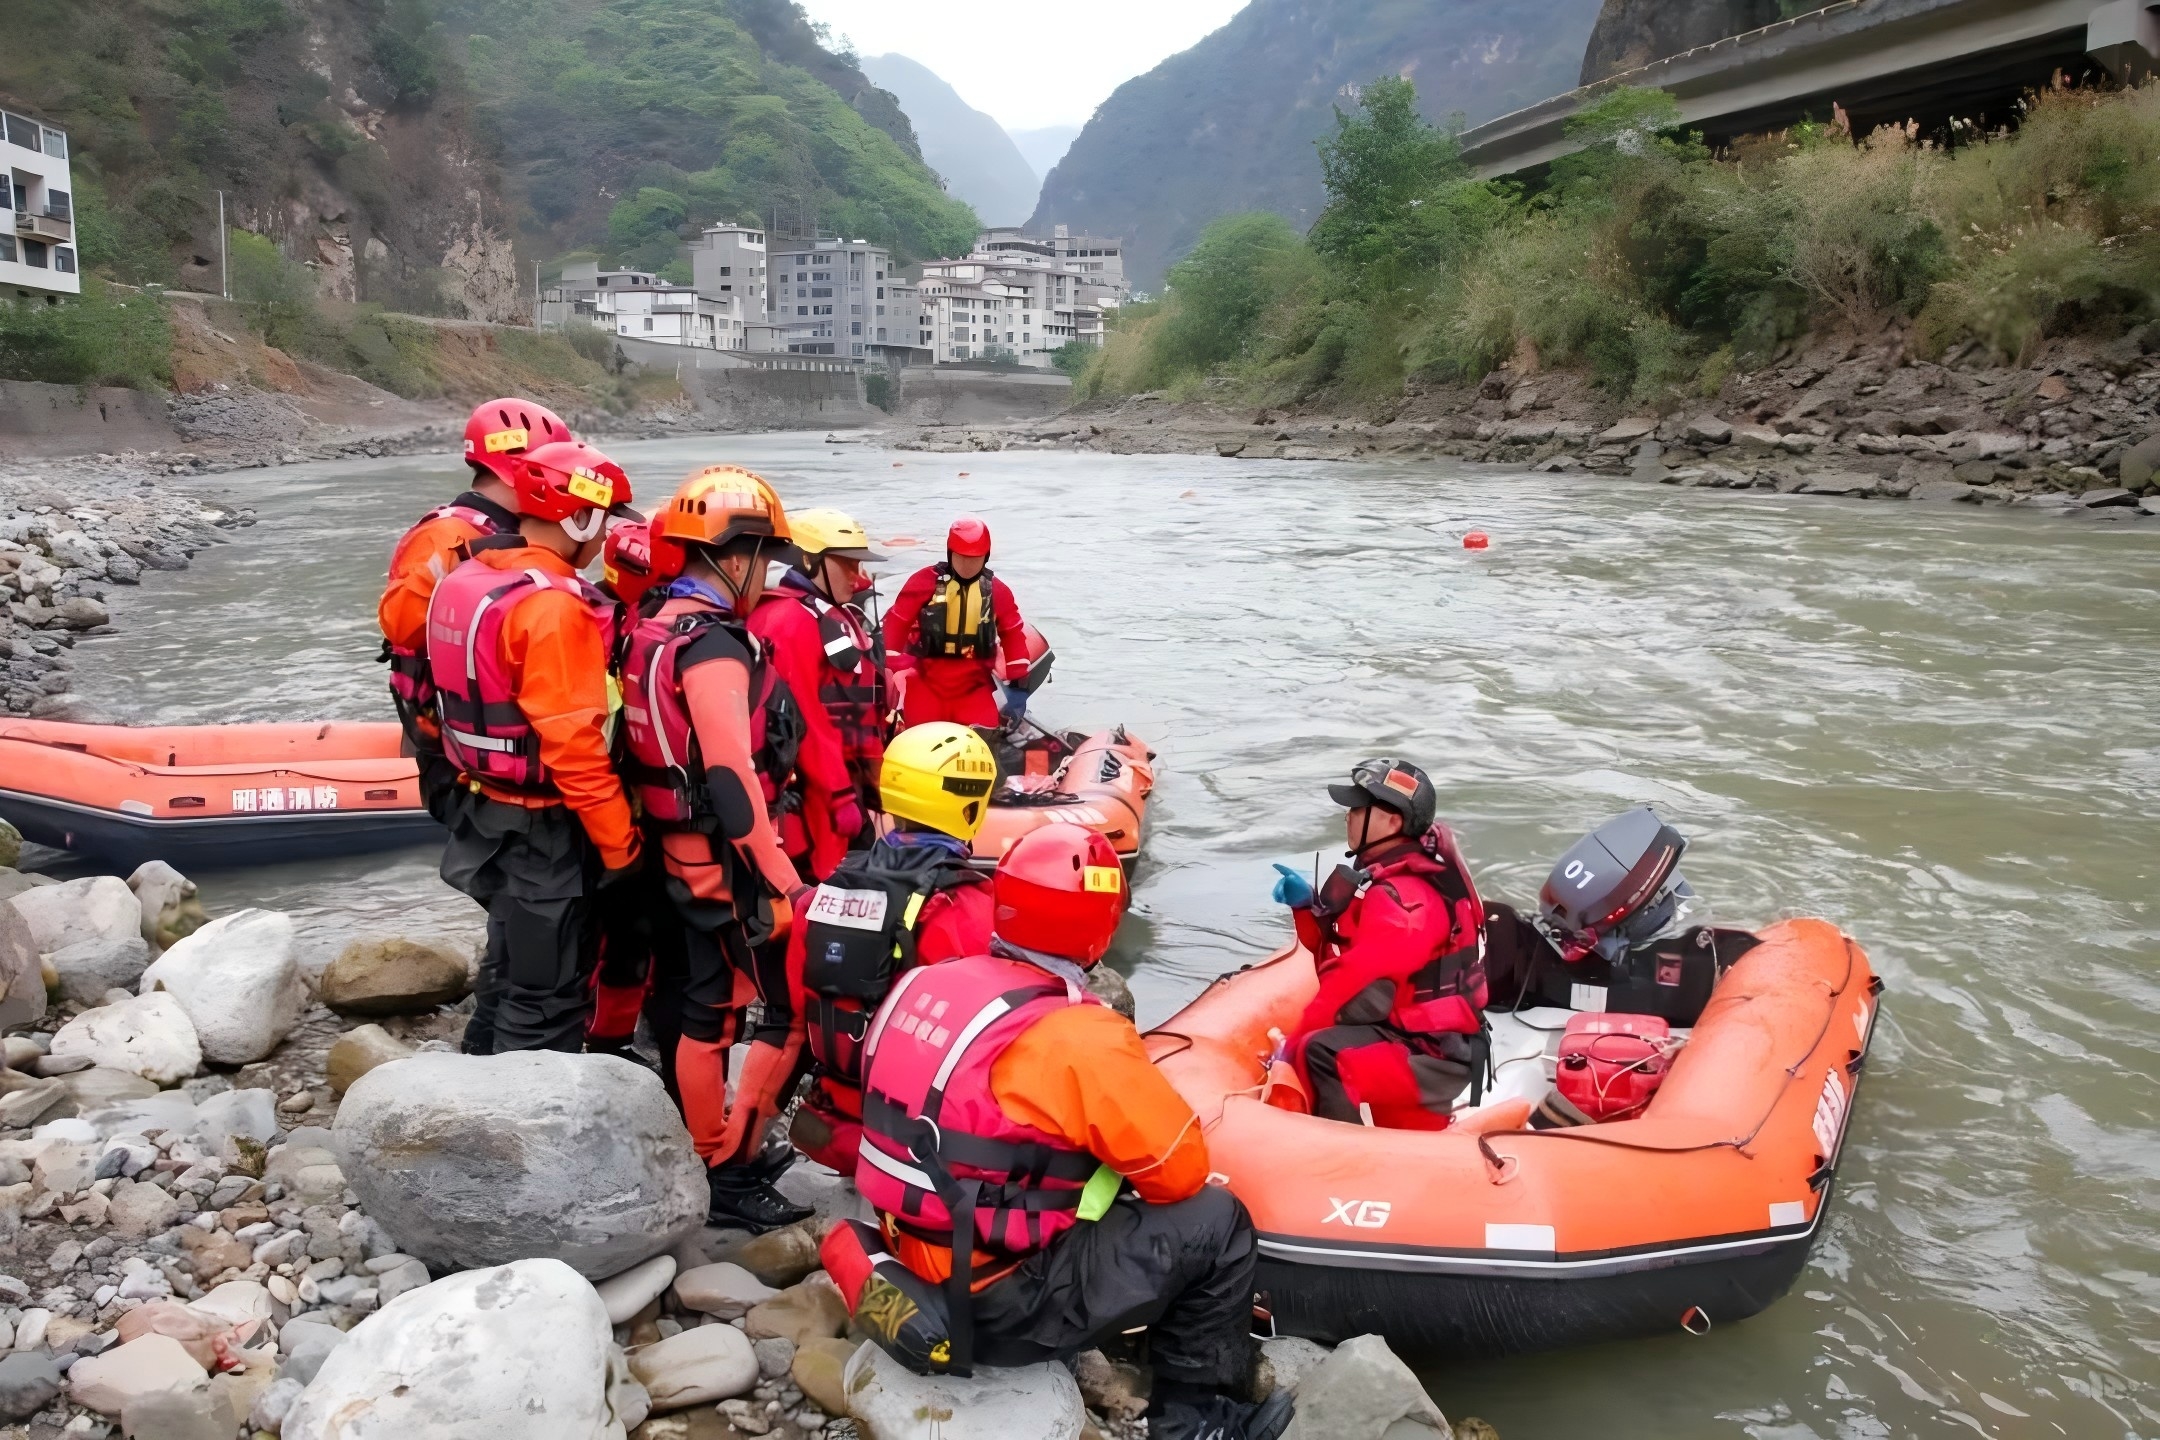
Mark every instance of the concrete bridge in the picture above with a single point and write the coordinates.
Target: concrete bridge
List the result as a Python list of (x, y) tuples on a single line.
[(1884, 61)]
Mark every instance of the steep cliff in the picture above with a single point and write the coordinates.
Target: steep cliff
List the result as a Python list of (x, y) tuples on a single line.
[(420, 153), (1631, 33), (1229, 125)]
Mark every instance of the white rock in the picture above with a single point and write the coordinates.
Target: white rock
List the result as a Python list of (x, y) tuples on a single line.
[(96, 907), (30, 1331), (238, 978), (1363, 1392), (475, 1160), (89, 968), (1290, 1358), (726, 1290), (163, 894), (235, 1302), (150, 1036), (697, 1367), (252, 1113), (886, 1400), (145, 1365), (519, 1352), (634, 1289), (167, 1110)]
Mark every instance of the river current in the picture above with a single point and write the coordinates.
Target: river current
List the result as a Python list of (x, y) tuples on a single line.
[(1938, 727)]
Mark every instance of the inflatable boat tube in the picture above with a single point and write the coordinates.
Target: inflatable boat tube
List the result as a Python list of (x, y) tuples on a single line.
[(211, 796), (1490, 1238), (1101, 781)]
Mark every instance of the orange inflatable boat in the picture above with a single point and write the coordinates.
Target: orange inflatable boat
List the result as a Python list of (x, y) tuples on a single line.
[(1492, 1238), (1101, 781), (208, 796)]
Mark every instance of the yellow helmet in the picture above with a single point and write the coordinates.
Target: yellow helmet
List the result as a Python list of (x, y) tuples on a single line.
[(939, 775), (830, 532)]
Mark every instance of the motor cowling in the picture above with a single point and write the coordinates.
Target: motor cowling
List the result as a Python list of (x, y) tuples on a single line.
[(1618, 887)]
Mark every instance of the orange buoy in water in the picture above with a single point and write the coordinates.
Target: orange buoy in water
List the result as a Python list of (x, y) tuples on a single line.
[(898, 464), (1476, 540), (901, 542), (964, 474)]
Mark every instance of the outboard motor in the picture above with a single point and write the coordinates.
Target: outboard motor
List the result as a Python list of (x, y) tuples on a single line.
[(1618, 888)]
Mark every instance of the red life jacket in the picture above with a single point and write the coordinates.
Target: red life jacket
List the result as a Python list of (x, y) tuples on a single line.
[(412, 688), (851, 683), (662, 763), (484, 732), (1447, 993), (959, 620), (936, 1145)]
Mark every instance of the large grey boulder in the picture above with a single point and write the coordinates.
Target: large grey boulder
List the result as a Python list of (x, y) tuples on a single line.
[(471, 1160), (518, 1352), (22, 978), (89, 968), (890, 1402), (238, 978), (96, 907), (1364, 1392), (170, 909)]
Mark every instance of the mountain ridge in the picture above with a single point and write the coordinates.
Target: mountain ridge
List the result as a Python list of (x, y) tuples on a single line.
[(971, 150)]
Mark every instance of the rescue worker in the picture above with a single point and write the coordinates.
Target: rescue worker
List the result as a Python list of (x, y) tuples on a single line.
[(496, 435), (1006, 1108), (943, 632), (914, 899), (710, 735), (517, 651), (826, 649), (1395, 1033)]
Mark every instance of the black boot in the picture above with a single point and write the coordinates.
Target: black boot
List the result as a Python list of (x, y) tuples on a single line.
[(1184, 1412), (743, 1201), (772, 1162)]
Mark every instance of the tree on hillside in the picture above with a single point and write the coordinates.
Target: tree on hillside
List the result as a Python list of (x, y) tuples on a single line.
[(1382, 167)]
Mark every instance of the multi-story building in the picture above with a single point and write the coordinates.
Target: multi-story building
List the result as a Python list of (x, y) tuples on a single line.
[(1098, 263), (727, 263), (1012, 302), (37, 230), (842, 298), (638, 305)]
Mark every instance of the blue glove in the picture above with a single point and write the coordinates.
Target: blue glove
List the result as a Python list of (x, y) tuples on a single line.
[(1015, 707), (1293, 889)]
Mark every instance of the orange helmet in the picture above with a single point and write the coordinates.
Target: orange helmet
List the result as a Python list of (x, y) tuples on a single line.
[(721, 503), (571, 483), (1060, 890), (500, 431)]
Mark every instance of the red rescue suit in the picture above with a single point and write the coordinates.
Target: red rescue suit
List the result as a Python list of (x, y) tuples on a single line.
[(943, 633), (1402, 986), (828, 657)]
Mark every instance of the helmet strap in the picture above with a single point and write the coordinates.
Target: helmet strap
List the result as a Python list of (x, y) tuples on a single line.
[(589, 528)]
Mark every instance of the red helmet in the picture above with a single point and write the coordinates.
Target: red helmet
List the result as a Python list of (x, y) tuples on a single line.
[(566, 479), (501, 430), (968, 536), (634, 560), (1060, 890)]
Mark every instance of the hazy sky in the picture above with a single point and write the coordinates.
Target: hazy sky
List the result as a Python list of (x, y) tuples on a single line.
[(1028, 64)]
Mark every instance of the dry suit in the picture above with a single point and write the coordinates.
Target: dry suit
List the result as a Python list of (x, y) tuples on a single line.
[(517, 650), (1397, 1022), (830, 659), (943, 633), (702, 720)]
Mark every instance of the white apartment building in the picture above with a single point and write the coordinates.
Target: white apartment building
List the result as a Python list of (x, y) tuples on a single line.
[(638, 305), (37, 230), (842, 298), (1098, 263), (1007, 304)]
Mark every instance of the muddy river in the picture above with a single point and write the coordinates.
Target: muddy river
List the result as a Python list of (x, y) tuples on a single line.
[(1939, 728)]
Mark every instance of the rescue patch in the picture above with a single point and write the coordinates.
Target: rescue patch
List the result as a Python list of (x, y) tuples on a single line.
[(511, 439), (1103, 879), (854, 909), (590, 488)]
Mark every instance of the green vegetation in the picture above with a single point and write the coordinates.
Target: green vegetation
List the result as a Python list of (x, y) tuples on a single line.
[(878, 390), (107, 337), (693, 111), (1655, 264)]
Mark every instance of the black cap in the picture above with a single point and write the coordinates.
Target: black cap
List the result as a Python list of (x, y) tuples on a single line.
[(1395, 784)]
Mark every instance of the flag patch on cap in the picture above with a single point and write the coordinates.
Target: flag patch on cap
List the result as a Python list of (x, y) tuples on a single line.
[(1401, 780)]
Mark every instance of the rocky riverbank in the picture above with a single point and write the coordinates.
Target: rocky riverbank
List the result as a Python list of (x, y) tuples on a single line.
[(2076, 433), (241, 1200)]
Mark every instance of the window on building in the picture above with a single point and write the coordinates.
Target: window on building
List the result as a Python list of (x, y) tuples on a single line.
[(56, 144), (855, 328), (802, 309), (821, 309), (880, 309), (820, 292), (7, 247), (1026, 338), (881, 334), (825, 275), (880, 292), (648, 322), (34, 253), (23, 132), (857, 348), (63, 259), (727, 269)]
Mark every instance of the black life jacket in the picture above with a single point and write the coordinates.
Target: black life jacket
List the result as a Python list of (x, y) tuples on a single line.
[(859, 936), (959, 622)]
